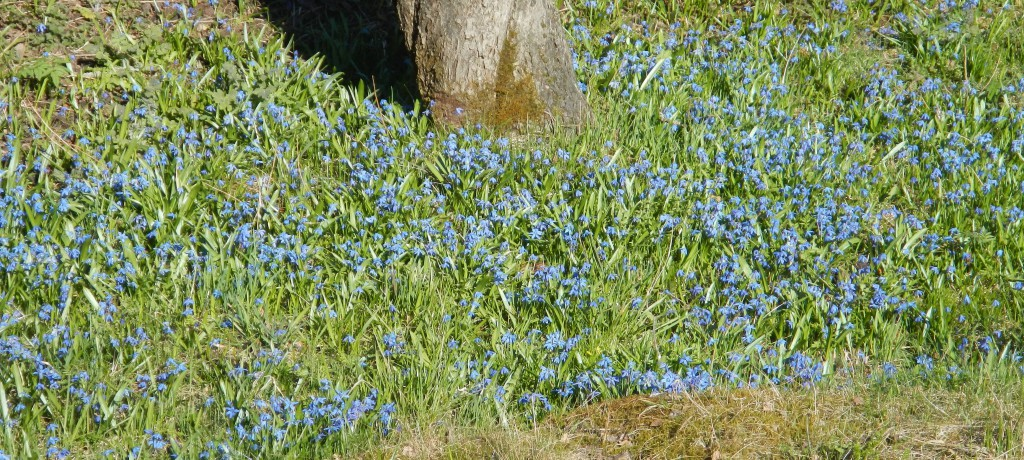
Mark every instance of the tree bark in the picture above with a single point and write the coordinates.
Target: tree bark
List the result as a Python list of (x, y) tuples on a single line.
[(500, 62)]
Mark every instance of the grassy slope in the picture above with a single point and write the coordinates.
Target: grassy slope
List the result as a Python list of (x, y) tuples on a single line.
[(200, 229)]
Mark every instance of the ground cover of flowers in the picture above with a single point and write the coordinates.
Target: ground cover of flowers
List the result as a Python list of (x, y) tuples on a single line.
[(213, 246)]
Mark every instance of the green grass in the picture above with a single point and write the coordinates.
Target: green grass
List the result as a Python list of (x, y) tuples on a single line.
[(774, 199)]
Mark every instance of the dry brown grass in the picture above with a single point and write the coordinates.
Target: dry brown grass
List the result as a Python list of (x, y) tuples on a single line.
[(913, 422), (855, 422), (477, 443)]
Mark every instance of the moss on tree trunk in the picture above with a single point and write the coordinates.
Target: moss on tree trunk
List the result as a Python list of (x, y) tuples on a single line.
[(500, 62)]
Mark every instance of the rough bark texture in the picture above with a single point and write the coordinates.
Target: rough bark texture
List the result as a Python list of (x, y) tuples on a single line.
[(503, 62)]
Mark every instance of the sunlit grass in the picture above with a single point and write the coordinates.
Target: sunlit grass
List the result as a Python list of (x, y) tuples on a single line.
[(212, 245)]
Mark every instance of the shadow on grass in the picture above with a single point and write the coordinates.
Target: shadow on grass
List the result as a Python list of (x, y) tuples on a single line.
[(358, 38)]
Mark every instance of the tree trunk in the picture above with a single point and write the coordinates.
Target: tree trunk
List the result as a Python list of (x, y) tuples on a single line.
[(500, 62)]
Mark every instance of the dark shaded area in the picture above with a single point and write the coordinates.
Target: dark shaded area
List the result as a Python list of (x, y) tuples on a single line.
[(358, 38)]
